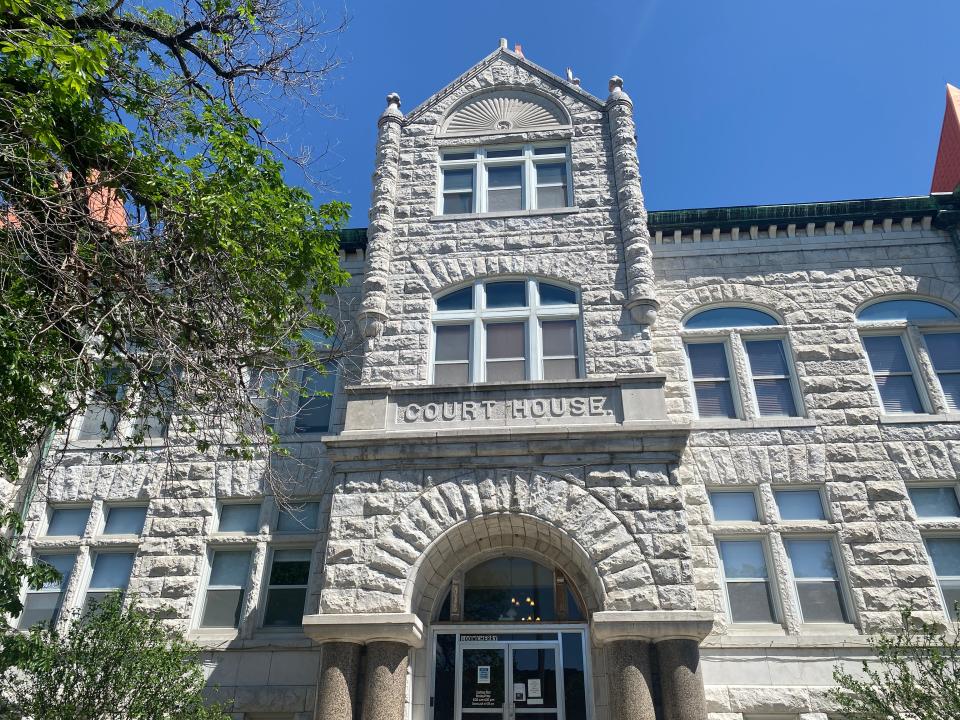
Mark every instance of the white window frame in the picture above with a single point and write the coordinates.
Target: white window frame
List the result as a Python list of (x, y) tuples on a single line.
[(819, 489), (725, 341), (528, 161), (239, 533), (265, 592), (105, 510), (54, 506), (746, 335), (532, 315), (205, 587), (925, 330), (910, 351), (64, 591), (948, 535), (752, 489), (770, 580), (96, 552), (841, 577), (932, 484)]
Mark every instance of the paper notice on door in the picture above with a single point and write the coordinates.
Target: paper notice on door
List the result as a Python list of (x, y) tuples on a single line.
[(483, 674), (519, 692), (533, 687)]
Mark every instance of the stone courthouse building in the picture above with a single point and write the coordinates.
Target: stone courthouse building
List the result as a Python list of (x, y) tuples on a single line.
[(589, 462)]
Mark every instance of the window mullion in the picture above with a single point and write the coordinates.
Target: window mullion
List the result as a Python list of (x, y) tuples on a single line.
[(534, 344), (926, 372), (743, 393)]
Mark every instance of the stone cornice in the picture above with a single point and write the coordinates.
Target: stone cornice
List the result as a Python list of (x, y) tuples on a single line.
[(364, 628), (650, 625)]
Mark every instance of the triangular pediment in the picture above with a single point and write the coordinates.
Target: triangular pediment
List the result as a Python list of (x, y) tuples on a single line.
[(501, 55)]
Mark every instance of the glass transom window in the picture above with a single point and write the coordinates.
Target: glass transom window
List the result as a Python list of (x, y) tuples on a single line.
[(507, 330), (504, 179)]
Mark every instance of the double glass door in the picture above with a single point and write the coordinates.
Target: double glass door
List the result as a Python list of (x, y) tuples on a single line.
[(509, 680)]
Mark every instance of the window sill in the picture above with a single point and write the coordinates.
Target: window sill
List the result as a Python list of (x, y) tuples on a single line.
[(505, 214), (832, 629), (919, 418), (756, 630), (755, 424)]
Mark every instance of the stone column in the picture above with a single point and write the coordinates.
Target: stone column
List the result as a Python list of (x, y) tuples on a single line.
[(385, 683), (628, 673), (641, 292), (383, 201), (337, 686), (681, 680)]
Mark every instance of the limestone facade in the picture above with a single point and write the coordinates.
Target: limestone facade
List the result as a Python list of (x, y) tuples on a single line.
[(606, 477)]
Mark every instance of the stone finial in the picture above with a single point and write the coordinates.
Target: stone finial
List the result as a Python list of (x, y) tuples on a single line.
[(503, 43), (616, 91), (392, 111)]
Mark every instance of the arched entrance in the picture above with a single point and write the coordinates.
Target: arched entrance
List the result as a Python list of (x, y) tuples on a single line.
[(509, 640)]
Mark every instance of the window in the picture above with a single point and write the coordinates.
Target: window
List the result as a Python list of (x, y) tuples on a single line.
[(945, 556), (43, 605), (733, 505), (298, 518), (504, 179), (111, 573), (507, 330), (935, 502), (896, 335), (226, 587), (287, 589), (239, 518), (819, 590), (125, 520), (317, 388), (749, 592), (99, 421), (714, 338), (68, 521), (799, 504)]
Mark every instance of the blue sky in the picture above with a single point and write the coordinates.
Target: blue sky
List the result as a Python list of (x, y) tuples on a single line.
[(736, 101)]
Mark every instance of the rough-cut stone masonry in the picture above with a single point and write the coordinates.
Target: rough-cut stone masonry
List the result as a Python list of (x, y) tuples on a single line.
[(622, 509)]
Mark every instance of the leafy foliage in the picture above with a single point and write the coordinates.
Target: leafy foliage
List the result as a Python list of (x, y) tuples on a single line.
[(151, 251), (916, 675), (114, 663)]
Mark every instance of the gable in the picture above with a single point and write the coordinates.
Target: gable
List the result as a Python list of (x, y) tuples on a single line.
[(498, 111)]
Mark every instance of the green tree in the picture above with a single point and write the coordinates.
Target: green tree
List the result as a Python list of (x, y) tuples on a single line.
[(114, 663), (14, 571), (151, 251), (916, 674)]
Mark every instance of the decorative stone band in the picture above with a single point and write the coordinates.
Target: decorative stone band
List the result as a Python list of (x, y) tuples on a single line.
[(650, 625), (365, 628)]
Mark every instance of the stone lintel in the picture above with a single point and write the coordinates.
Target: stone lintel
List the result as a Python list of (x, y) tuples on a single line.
[(650, 625), (364, 628)]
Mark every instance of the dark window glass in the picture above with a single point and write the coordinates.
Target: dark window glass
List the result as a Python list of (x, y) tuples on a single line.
[(504, 188), (457, 191), (509, 152), (468, 155), (445, 677), (506, 351), (555, 150), (711, 380), (111, 573), (771, 377), (316, 401), (730, 317), (818, 584), (748, 588), (457, 300), (299, 518), (893, 374), (506, 294), (43, 605), (556, 295), (945, 354), (910, 310), (225, 590), (242, 518), (560, 358), (125, 520), (574, 677), (287, 593), (509, 590)]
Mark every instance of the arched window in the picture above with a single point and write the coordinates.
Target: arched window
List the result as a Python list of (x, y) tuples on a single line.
[(898, 336), (510, 589), (713, 338), (507, 330)]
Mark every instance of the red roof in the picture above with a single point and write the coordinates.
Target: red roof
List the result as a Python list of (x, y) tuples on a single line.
[(946, 173)]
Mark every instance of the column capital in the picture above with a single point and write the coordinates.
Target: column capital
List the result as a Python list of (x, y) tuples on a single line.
[(365, 628), (650, 625)]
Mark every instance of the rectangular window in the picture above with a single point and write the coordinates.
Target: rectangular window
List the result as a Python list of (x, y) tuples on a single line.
[(223, 606), (935, 502), (457, 191), (771, 378), (734, 505), (451, 364), (239, 518), (893, 374), (125, 520), (287, 590), (799, 504), (504, 187), (945, 355), (298, 518), (749, 593), (111, 573), (551, 185), (945, 555), (818, 584), (560, 358), (711, 379), (316, 401), (68, 521), (43, 605), (99, 421), (506, 351)]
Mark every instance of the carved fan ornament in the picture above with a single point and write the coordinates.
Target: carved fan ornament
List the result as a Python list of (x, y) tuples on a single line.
[(503, 113)]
